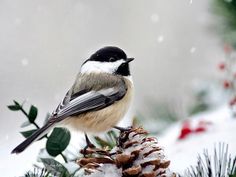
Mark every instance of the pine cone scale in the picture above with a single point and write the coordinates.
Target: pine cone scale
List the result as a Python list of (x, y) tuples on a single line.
[(134, 156)]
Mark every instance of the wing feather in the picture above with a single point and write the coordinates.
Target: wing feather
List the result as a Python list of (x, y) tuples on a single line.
[(89, 101)]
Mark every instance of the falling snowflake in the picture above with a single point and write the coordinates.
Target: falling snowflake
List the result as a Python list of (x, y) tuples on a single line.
[(24, 62), (192, 50), (160, 38), (18, 21), (154, 18)]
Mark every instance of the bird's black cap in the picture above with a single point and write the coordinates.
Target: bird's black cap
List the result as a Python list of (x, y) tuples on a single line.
[(112, 54), (108, 54)]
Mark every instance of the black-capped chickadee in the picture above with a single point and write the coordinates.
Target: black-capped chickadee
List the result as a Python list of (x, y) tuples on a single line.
[(98, 99)]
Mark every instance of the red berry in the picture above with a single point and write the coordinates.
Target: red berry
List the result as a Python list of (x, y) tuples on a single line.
[(200, 129), (185, 131), (221, 66), (232, 102), (227, 84)]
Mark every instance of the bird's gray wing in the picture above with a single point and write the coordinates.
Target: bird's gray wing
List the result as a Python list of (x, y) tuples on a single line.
[(85, 101)]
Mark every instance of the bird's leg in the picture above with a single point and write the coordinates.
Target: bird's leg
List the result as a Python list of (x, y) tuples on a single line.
[(124, 133), (122, 129), (88, 144)]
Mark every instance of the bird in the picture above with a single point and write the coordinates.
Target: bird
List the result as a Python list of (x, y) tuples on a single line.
[(99, 98)]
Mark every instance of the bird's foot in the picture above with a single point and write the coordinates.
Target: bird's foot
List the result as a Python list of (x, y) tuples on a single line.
[(86, 150)]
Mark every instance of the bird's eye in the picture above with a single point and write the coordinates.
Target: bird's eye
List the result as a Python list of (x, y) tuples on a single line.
[(112, 59)]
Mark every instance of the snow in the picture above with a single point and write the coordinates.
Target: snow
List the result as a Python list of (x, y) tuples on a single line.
[(108, 170), (183, 153), (24, 62), (71, 167), (160, 39), (155, 18), (193, 50), (11, 164)]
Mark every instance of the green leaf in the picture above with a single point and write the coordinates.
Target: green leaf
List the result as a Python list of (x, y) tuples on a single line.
[(198, 108), (15, 107), (16, 103), (58, 141), (102, 143), (55, 167), (112, 135), (28, 133), (32, 113), (109, 141)]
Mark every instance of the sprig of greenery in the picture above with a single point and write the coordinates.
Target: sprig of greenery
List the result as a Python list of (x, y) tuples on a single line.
[(38, 173), (58, 140), (52, 169), (33, 112), (55, 168), (226, 10), (109, 141), (221, 165)]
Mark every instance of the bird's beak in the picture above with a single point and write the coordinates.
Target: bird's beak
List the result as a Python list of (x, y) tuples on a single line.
[(129, 60)]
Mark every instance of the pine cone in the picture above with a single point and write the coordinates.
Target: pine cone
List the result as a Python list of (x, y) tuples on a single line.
[(135, 155)]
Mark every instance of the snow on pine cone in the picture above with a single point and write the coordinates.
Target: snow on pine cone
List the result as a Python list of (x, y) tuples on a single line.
[(134, 155)]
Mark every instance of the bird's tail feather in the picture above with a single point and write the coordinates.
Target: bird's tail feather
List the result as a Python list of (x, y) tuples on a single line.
[(38, 134)]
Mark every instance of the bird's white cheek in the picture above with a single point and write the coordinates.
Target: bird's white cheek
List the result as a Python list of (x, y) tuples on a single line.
[(96, 66)]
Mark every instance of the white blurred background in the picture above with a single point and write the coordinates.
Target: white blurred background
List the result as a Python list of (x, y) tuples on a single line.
[(43, 43)]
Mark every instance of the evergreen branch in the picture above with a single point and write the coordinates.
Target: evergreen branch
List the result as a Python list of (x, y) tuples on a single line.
[(226, 10), (221, 165)]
